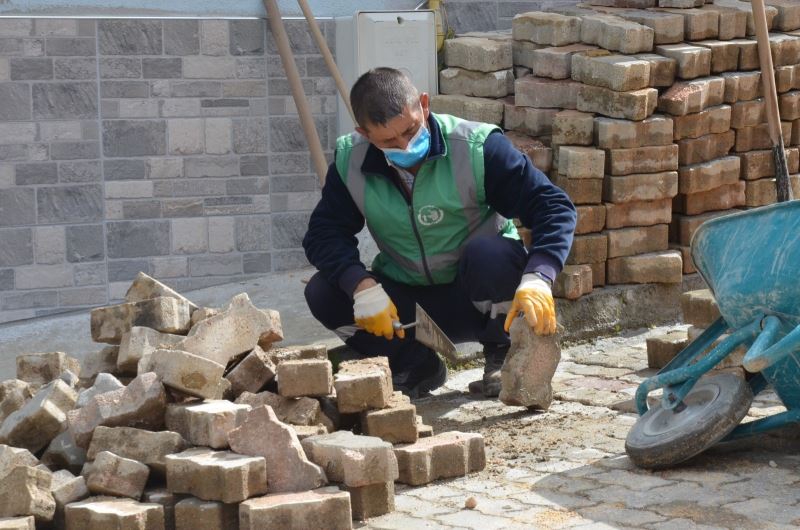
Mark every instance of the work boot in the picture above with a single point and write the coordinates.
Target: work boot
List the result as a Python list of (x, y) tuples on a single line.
[(491, 383), (422, 380)]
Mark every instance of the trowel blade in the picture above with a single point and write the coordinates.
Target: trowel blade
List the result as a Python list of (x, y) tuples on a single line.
[(429, 334)]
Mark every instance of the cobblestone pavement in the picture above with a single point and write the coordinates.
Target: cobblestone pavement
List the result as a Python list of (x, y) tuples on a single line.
[(566, 468)]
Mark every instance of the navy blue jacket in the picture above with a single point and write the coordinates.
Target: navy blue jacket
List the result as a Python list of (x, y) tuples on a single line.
[(514, 188)]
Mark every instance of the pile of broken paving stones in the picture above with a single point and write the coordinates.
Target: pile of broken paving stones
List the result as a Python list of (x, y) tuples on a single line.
[(190, 418)]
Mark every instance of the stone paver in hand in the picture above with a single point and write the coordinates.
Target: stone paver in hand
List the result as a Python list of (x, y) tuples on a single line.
[(566, 467)]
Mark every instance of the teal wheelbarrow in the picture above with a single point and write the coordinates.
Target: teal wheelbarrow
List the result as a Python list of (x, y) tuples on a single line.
[(751, 262)]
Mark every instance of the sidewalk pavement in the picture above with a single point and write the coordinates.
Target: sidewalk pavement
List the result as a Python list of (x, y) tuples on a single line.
[(566, 467)]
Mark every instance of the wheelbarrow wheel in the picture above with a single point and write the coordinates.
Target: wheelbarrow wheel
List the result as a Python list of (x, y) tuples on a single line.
[(713, 408)]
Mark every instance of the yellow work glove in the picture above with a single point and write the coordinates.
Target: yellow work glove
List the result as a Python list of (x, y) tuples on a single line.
[(534, 298), (376, 313)]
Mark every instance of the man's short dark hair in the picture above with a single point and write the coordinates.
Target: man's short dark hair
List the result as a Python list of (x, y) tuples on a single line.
[(380, 95)]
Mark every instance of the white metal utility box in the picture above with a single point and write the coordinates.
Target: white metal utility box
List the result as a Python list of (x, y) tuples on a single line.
[(405, 40)]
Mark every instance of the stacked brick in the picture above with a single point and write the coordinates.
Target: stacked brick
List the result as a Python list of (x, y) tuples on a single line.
[(191, 414), (648, 113)]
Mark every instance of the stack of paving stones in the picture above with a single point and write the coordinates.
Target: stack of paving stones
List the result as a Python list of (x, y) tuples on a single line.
[(700, 310), (191, 418), (648, 113)]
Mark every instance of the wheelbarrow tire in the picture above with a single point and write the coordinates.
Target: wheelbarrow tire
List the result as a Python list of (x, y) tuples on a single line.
[(714, 407)]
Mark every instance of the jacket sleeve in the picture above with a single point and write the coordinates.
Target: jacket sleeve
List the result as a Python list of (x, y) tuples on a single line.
[(330, 242), (516, 189)]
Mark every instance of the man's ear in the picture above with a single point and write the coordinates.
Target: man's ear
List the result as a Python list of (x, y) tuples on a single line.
[(363, 132), (425, 101)]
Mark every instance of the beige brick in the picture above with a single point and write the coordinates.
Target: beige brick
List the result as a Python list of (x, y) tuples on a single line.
[(748, 54), (616, 34), (591, 248), (698, 24), (616, 72), (624, 134), (187, 373), (657, 267), (482, 55), (580, 191), (661, 349), (708, 147), (573, 282), (252, 373), (320, 508), (96, 513), (764, 191), (636, 105), (708, 175), (662, 69), (667, 27), (148, 447), (713, 120), (598, 274), (528, 120), (25, 490), (541, 92), (523, 54), (591, 218), (110, 474), (686, 254), (546, 28), (39, 420), (692, 96), (342, 455), (645, 213), (540, 154), (650, 159), (41, 368), (683, 227), (397, 423), (164, 314), (724, 55), (371, 501), (788, 18), (312, 378), (141, 342), (15, 393), (580, 162), (699, 308), (722, 198), (640, 187), (789, 104), (732, 22), (216, 475), (785, 49), (446, 455), (197, 514), (760, 164), (469, 108), (748, 113), (363, 385), (681, 4), (795, 140), (18, 523), (742, 86), (637, 240), (755, 138), (787, 78), (571, 127), (692, 61), (207, 423), (554, 62), (457, 81)]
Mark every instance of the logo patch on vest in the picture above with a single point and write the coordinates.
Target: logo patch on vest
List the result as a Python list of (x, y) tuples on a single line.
[(430, 215)]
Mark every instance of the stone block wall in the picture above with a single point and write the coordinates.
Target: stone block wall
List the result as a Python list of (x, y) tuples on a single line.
[(165, 146)]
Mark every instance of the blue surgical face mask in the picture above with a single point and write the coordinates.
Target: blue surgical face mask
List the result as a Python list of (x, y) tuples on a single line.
[(415, 151)]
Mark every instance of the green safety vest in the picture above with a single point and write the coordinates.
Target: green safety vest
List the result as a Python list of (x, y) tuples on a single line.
[(420, 243)]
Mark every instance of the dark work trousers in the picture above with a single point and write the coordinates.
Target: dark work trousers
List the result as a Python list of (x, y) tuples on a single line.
[(472, 308)]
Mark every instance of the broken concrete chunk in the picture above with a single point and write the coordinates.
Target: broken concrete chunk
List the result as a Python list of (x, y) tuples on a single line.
[(262, 434), (14, 393), (41, 368), (140, 342), (371, 501), (395, 424), (11, 457), (529, 367), (148, 447), (145, 287), (197, 514), (311, 378), (110, 474), (26, 491), (296, 411), (141, 404), (363, 384), (103, 383), (41, 419), (101, 513), (354, 460), (321, 508), (446, 455), (252, 373), (64, 453), (189, 373), (164, 314), (237, 329), (216, 475), (206, 423)]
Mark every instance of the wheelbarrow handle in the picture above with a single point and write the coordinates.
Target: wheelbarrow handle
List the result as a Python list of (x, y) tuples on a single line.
[(763, 353)]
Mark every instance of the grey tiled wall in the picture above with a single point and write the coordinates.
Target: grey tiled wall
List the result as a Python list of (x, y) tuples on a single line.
[(167, 146), (171, 147)]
